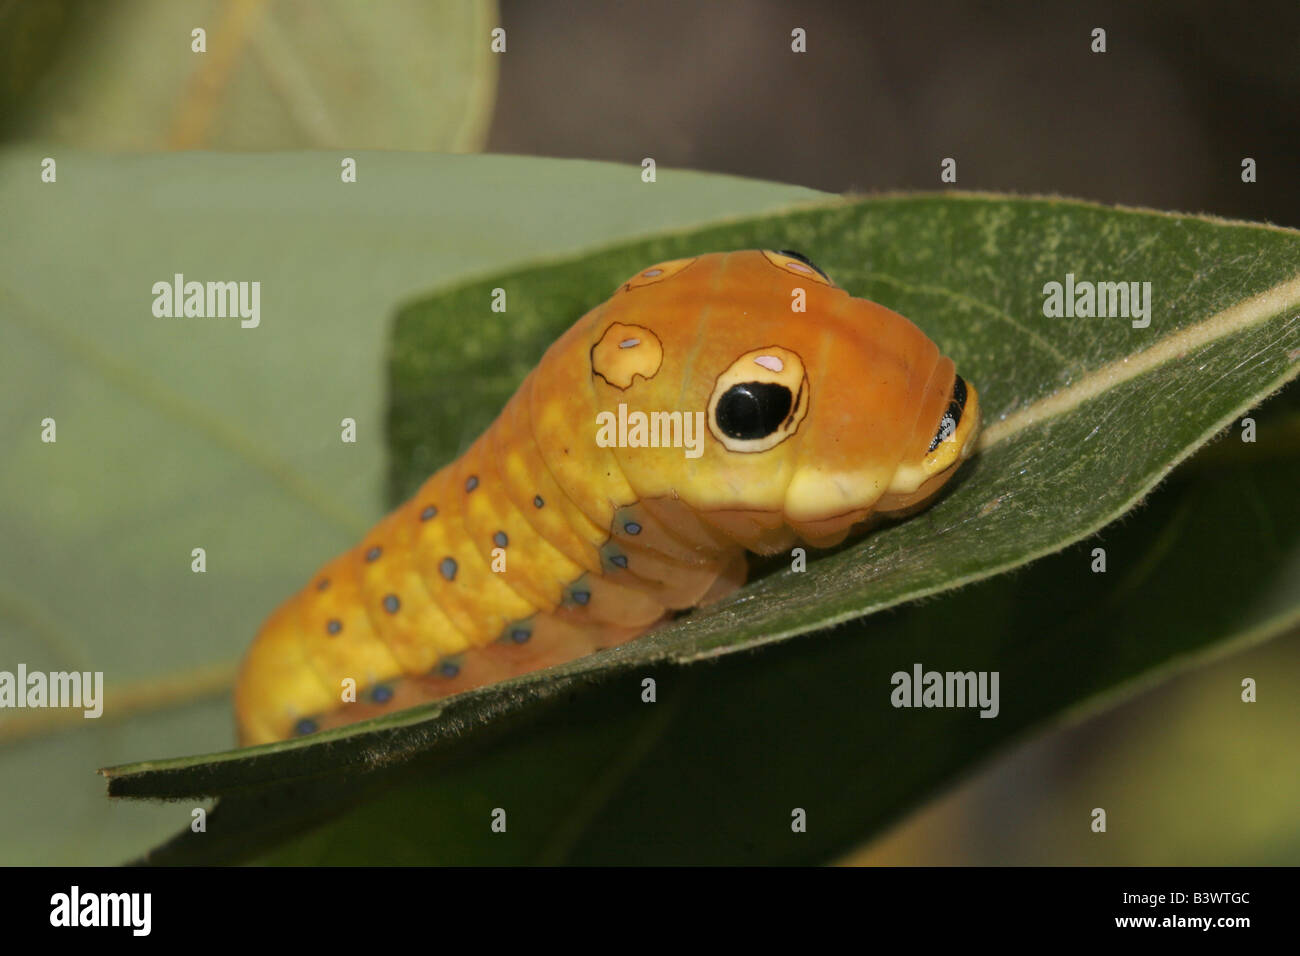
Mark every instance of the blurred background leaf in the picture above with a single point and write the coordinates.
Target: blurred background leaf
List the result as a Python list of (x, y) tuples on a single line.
[(276, 74), (181, 433)]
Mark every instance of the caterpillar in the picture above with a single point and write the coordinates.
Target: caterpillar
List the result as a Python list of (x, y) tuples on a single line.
[(697, 414)]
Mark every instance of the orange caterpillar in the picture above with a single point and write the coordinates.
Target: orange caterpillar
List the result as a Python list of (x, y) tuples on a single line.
[(693, 416)]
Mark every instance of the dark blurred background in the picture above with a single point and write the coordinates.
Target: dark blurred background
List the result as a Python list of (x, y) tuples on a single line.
[(1012, 91)]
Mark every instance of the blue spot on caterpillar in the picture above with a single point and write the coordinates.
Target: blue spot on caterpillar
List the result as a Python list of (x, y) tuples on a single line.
[(808, 428)]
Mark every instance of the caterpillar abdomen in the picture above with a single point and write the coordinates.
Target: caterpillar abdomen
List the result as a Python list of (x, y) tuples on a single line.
[(416, 610), (545, 541)]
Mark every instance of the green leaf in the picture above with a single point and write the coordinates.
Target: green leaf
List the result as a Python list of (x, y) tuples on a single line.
[(183, 433), (275, 75), (1085, 417)]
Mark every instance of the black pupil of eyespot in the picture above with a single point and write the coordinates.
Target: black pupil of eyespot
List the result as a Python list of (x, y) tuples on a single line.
[(804, 259), (952, 416), (752, 410)]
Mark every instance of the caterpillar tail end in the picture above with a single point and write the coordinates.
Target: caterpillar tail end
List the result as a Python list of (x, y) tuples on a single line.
[(273, 683)]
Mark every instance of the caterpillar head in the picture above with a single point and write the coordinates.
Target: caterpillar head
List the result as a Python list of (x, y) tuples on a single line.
[(817, 408)]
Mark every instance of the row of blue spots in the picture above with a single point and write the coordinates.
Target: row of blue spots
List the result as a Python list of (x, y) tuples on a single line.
[(380, 694), (392, 604), (448, 567), (448, 668)]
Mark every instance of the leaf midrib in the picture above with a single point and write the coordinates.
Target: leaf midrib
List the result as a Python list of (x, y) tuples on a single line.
[(1238, 317)]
